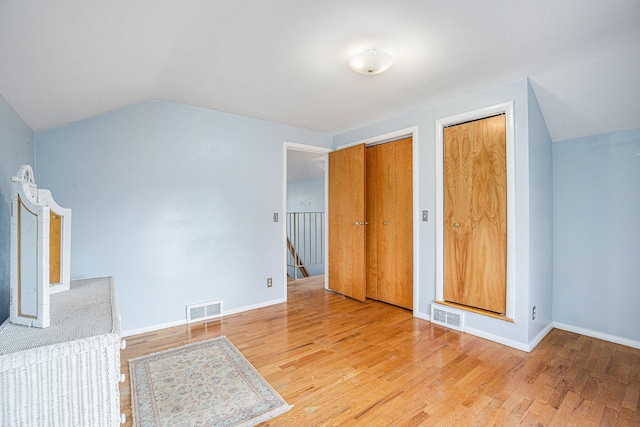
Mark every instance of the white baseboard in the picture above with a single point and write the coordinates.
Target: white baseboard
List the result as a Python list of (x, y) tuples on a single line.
[(253, 307), (423, 316), (153, 328), (180, 322), (496, 338), (593, 334), (546, 330), (543, 333)]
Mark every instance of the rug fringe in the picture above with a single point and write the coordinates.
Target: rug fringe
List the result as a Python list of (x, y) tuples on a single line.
[(266, 417)]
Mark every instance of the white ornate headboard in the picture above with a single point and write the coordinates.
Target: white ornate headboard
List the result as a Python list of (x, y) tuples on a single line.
[(40, 250)]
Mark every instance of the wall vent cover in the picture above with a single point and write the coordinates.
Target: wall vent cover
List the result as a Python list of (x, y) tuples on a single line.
[(445, 316), (204, 311)]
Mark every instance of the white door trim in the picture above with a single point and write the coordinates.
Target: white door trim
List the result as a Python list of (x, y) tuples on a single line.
[(286, 146), (508, 109), (391, 136)]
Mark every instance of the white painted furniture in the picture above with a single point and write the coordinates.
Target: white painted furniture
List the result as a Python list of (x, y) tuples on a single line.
[(40, 250), (67, 374)]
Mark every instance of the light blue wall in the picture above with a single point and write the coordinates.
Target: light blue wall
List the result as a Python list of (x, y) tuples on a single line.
[(518, 91), (597, 233), (540, 220), (175, 202), (172, 200), (16, 139), (305, 196)]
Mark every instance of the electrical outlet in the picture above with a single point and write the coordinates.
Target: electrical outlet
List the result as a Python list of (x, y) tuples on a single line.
[(533, 313), (269, 282), (425, 216)]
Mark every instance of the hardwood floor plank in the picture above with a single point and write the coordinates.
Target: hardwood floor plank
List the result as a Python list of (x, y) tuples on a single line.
[(345, 363)]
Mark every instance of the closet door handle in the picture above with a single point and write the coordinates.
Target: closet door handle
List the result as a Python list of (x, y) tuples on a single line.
[(456, 224), (384, 223), (359, 223)]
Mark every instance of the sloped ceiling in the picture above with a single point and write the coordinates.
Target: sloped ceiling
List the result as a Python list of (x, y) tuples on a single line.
[(286, 60), (304, 166)]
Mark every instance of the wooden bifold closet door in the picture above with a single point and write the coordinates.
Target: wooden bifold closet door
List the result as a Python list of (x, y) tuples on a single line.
[(370, 222), (389, 223), (347, 269), (475, 219)]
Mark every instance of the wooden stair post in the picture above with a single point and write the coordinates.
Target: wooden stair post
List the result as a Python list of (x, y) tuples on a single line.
[(297, 259)]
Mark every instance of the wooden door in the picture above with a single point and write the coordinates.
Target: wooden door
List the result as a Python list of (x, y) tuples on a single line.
[(390, 223), (402, 293), (475, 224), (372, 221), (347, 269)]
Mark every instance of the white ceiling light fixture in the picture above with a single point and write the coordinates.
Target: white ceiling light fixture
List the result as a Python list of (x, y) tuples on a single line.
[(371, 61)]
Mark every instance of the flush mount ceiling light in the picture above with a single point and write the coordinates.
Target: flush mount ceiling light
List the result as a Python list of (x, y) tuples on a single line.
[(371, 61)]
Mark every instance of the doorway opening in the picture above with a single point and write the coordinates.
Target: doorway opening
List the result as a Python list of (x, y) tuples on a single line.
[(305, 201)]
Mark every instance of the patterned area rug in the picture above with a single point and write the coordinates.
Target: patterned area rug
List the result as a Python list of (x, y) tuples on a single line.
[(208, 383)]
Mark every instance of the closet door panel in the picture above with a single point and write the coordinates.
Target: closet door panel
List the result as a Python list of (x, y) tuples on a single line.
[(395, 223), (347, 258), (475, 214), (386, 223), (404, 224), (457, 216), (372, 222), (489, 215)]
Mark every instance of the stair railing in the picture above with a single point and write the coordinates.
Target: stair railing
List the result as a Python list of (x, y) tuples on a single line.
[(305, 241)]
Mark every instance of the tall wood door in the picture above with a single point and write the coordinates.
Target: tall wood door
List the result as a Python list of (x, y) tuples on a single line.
[(347, 269), (390, 226), (475, 223), (371, 222)]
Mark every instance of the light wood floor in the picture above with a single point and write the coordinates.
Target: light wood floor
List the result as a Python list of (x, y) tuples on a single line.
[(342, 362)]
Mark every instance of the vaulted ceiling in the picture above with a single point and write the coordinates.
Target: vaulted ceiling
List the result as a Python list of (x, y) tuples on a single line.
[(286, 60)]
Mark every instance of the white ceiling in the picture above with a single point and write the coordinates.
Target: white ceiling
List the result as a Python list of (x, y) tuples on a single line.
[(286, 60)]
